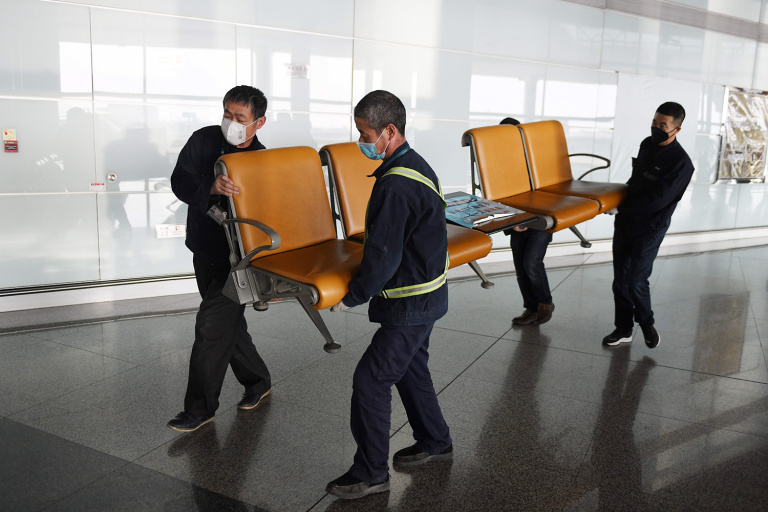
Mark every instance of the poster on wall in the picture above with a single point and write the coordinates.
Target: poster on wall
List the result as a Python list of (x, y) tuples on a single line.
[(743, 149)]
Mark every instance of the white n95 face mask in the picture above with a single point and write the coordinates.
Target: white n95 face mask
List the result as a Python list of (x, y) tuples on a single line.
[(234, 132)]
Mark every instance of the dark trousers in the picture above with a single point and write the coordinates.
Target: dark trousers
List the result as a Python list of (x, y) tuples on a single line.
[(397, 355), (221, 340), (633, 256), (528, 250)]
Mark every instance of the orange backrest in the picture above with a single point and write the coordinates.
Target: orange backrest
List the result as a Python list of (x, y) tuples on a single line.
[(350, 169), (284, 189), (500, 159), (547, 153)]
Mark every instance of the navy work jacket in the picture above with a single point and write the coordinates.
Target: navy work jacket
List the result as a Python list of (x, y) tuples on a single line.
[(660, 175), (191, 182), (406, 245)]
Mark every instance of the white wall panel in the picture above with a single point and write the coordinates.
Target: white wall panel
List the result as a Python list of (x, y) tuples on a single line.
[(322, 82), (546, 30), (328, 16), (644, 46), (141, 57), (55, 146), (752, 205), (128, 242), (742, 9), (54, 240), (706, 207), (760, 80), (45, 50)]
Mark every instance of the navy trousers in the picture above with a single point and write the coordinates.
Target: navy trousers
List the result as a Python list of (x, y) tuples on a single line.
[(397, 355), (221, 340), (633, 257), (528, 250)]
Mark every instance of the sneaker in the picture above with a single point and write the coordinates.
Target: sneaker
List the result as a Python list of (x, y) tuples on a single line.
[(185, 421), (651, 336), (528, 317), (251, 400), (412, 456), (617, 337), (544, 313), (348, 487)]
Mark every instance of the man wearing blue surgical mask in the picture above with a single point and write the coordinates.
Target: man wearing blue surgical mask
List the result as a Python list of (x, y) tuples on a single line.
[(403, 274), (221, 332), (660, 174)]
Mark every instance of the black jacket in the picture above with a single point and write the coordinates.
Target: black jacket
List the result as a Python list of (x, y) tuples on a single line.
[(660, 175), (191, 182), (406, 245)]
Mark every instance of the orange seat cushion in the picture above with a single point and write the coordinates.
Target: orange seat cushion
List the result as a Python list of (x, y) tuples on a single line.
[(465, 245), (328, 266), (566, 211), (608, 195)]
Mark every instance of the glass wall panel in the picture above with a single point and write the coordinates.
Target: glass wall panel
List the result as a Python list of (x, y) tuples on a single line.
[(46, 50)]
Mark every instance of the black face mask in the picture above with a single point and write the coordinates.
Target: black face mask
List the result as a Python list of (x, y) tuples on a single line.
[(658, 135)]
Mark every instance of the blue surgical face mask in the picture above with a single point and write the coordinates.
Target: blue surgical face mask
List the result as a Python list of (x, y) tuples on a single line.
[(369, 148)]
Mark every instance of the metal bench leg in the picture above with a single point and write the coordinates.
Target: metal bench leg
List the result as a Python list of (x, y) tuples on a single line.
[(584, 242), (330, 346), (486, 283)]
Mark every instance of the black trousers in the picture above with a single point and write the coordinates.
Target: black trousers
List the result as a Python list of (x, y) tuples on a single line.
[(528, 250), (633, 257), (221, 340), (397, 355)]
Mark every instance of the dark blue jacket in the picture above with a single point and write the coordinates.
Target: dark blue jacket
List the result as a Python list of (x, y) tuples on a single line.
[(406, 245), (660, 175), (191, 182)]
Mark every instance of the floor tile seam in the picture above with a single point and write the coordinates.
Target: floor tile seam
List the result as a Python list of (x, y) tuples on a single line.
[(105, 355), (52, 505), (572, 271), (658, 365), (59, 397), (711, 426), (492, 336), (90, 321)]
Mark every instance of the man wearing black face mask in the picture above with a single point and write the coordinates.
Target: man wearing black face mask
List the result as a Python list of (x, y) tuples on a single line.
[(221, 332), (660, 174)]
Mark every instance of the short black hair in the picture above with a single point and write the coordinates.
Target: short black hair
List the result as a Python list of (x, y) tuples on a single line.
[(510, 120), (380, 108), (673, 109), (247, 95)]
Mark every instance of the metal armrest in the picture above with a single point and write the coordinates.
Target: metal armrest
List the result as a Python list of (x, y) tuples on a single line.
[(274, 238), (606, 160)]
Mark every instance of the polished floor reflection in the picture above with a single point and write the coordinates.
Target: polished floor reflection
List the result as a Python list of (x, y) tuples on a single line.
[(543, 418)]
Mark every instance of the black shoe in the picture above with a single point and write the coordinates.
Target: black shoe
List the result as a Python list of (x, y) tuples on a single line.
[(412, 456), (188, 422), (651, 336), (251, 400), (348, 487), (528, 317), (617, 337)]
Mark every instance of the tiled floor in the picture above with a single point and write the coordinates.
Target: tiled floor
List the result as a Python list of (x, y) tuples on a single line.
[(543, 418)]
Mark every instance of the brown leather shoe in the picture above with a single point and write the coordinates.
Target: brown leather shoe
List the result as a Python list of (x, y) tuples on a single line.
[(544, 313), (528, 317)]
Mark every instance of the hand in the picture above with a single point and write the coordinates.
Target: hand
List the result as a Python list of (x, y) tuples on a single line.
[(520, 229), (339, 307), (224, 186)]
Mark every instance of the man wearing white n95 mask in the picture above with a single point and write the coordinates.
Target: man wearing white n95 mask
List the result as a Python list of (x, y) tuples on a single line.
[(221, 332)]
